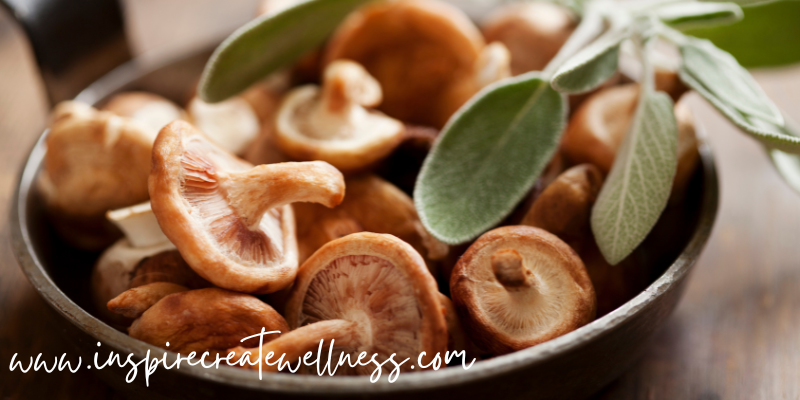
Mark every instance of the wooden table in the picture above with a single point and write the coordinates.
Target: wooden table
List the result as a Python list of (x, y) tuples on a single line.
[(735, 335)]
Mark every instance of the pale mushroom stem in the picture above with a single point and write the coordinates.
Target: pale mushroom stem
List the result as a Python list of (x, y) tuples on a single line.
[(509, 269), (346, 85), (252, 193), (293, 345)]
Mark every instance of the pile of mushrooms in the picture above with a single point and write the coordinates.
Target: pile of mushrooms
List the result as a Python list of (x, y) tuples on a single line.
[(287, 208)]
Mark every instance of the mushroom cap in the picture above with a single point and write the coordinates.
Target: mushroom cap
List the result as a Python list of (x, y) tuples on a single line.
[(231, 124), (201, 320), (565, 205), (378, 282), (597, 128), (416, 49), (96, 161), (231, 222), (150, 110), (550, 294), (332, 124), (533, 32)]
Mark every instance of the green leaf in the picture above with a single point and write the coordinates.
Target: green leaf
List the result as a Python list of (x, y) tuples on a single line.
[(766, 133), (269, 43), (766, 37), (488, 156), (685, 15), (637, 188), (721, 75), (788, 165), (591, 66)]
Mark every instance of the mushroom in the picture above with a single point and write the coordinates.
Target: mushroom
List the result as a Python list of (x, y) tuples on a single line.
[(374, 205), (265, 99), (596, 130), (370, 293), (457, 339), (564, 209), (518, 286), (143, 256), (565, 205), (232, 124), (96, 161), (150, 110), (232, 222), (532, 31), (420, 51), (182, 321), (332, 124)]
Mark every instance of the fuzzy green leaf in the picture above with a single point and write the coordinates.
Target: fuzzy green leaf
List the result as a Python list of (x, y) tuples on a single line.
[(749, 3), (788, 165), (269, 43), (488, 157), (722, 76), (637, 188), (692, 14), (591, 66)]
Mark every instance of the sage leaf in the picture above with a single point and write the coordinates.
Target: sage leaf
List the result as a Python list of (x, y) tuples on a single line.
[(638, 185), (749, 3), (488, 156), (269, 43), (788, 165), (766, 37), (767, 133), (721, 75), (591, 66), (693, 14)]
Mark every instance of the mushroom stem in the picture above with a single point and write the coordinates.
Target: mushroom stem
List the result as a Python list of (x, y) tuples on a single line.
[(293, 345), (275, 185), (346, 85), (508, 269)]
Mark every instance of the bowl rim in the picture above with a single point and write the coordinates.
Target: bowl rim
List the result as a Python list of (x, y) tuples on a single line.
[(34, 270)]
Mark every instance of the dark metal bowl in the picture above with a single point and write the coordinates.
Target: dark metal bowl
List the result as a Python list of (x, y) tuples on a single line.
[(572, 366)]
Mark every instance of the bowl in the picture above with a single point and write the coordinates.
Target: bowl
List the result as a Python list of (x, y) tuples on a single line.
[(573, 366)]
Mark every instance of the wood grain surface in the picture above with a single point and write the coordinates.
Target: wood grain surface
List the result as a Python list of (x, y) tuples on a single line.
[(735, 335)]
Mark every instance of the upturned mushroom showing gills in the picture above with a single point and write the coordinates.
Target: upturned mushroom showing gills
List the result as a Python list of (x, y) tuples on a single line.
[(232, 222), (419, 51), (184, 321), (369, 293), (96, 161), (333, 124), (518, 286)]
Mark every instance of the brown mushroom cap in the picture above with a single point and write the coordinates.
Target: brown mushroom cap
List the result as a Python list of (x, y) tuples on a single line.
[(372, 204), (519, 286), (532, 31), (416, 49), (201, 320), (230, 221), (565, 205), (132, 303), (150, 110), (333, 125), (596, 130), (371, 293)]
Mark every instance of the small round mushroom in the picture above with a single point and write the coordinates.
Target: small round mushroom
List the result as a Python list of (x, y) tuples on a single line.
[(597, 128), (565, 205), (333, 124), (532, 31), (370, 293), (96, 161), (419, 51), (150, 110), (232, 222), (232, 124), (210, 319), (374, 205), (519, 286)]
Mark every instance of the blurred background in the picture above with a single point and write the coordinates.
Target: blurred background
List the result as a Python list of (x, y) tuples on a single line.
[(736, 334)]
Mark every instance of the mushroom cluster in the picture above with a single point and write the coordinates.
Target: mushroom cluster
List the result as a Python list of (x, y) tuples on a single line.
[(287, 208)]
